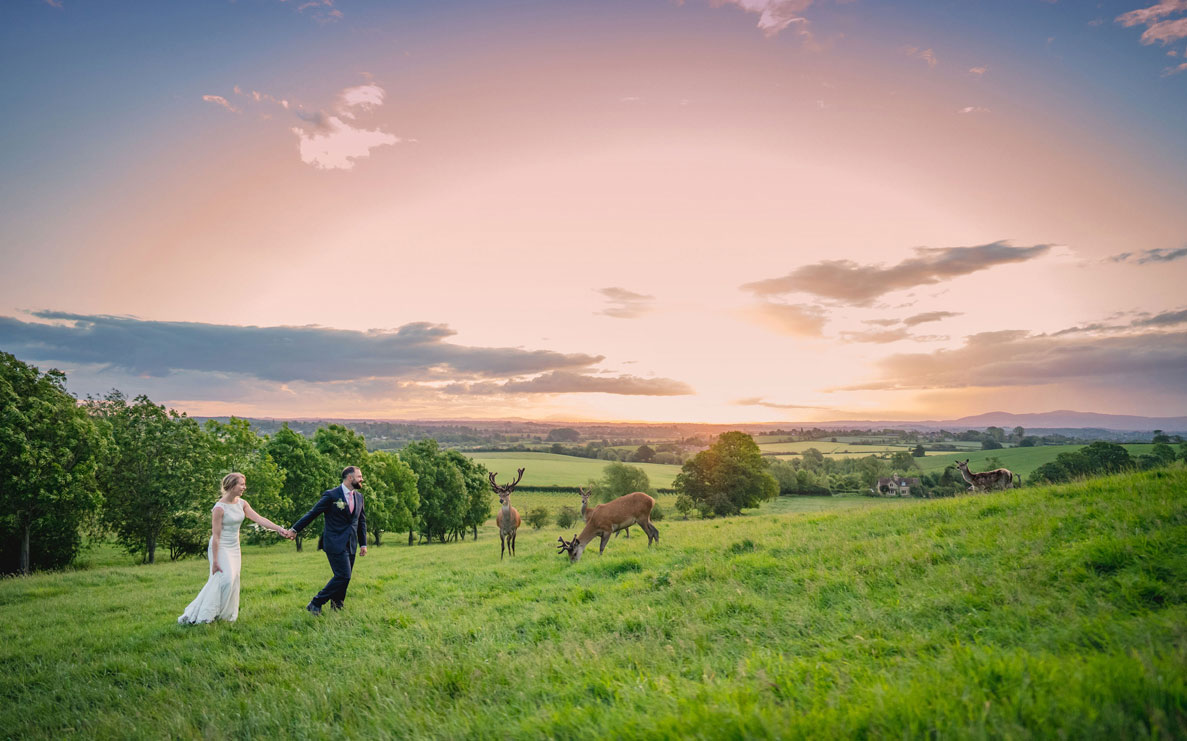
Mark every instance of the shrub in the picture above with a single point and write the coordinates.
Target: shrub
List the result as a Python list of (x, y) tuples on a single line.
[(567, 516), (538, 517)]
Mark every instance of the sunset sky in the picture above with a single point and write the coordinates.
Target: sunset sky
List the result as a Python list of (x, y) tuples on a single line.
[(698, 211)]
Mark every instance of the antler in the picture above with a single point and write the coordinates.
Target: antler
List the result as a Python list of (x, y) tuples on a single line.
[(563, 546), (504, 489)]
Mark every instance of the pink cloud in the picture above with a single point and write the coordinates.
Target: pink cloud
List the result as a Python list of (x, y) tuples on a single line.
[(926, 55), (220, 100)]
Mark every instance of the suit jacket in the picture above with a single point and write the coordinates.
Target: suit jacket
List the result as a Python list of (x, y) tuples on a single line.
[(344, 530)]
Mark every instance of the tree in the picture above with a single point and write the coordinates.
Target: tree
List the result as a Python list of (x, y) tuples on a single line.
[(163, 466), (1051, 472), (812, 459), (478, 502), (538, 518), (563, 435), (997, 434), (988, 444), (1106, 457), (1163, 453), (644, 454), (1028, 442), (903, 461), (728, 477), (871, 468), (342, 447), (1018, 433), (619, 479), (442, 490), (50, 451), (919, 452), (392, 500), (1160, 437), (307, 474)]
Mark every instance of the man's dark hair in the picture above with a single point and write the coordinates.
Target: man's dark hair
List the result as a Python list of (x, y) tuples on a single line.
[(346, 471)]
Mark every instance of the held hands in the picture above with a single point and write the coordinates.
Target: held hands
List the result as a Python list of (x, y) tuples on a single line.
[(286, 533)]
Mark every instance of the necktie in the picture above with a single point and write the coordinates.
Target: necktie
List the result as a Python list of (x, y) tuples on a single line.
[(350, 502)]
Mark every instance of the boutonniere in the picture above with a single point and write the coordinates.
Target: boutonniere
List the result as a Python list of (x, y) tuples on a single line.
[(341, 505)]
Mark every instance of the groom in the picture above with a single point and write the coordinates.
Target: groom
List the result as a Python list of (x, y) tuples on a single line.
[(345, 527)]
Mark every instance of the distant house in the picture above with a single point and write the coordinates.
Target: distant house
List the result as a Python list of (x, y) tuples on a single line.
[(897, 486)]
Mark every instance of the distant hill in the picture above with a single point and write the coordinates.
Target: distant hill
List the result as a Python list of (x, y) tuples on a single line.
[(1062, 419)]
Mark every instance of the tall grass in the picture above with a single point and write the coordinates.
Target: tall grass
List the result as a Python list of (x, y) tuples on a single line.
[(1050, 612)]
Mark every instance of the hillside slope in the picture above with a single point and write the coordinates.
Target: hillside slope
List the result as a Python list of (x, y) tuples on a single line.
[(1048, 612)]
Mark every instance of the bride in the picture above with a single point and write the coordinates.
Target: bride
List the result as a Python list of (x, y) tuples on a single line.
[(219, 599)]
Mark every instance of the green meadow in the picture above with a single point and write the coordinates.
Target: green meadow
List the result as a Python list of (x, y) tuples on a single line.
[(1041, 612), (550, 469), (1019, 460)]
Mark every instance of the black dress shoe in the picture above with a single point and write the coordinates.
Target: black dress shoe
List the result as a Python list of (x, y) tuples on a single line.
[(314, 609), (335, 605)]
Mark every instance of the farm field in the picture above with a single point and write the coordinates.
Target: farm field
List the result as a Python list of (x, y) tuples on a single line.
[(1019, 460), (550, 469), (1053, 612)]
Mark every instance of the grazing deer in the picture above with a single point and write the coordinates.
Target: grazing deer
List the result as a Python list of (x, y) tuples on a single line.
[(999, 478), (586, 510), (608, 518), (508, 517)]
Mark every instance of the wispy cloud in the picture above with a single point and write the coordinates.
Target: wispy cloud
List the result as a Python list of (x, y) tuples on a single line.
[(568, 382), (220, 101), (335, 144), (1168, 71), (54, 3), (624, 304), (978, 71), (1148, 256), (973, 109), (1160, 26), (773, 15), (928, 316), (851, 283), (323, 11), (790, 319), (758, 401), (926, 55)]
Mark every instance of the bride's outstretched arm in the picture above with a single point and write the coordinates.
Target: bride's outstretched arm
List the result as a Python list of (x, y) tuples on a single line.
[(260, 520)]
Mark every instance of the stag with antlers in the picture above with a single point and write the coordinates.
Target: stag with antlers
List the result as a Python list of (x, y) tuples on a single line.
[(609, 518), (508, 517)]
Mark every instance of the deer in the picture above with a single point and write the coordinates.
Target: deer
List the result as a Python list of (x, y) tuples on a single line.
[(507, 519), (605, 519), (999, 478), (586, 510)]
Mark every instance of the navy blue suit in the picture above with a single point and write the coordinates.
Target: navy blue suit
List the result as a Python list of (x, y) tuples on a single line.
[(344, 532)]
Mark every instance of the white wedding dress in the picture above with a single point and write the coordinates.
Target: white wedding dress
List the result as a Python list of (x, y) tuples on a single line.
[(219, 599)]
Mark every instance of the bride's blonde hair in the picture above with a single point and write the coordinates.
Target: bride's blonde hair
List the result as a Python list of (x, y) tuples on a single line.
[(231, 479)]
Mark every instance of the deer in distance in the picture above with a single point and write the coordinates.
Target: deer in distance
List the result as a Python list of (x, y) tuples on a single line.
[(507, 519), (586, 510), (606, 519), (999, 478)]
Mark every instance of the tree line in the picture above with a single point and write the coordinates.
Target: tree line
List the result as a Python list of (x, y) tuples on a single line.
[(147, 476)]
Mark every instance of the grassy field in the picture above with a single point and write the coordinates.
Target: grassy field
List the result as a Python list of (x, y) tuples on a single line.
[(549, 469), (1019, 460), (1044, 612)]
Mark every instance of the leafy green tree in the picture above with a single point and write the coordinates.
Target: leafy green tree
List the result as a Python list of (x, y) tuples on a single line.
[(341, 446), (1163, 453), (163, 466), (391, 499), (1051, 472), (537, 518), (50, 451), (478, 495), (619, 479), (644, 454), (989, 444), (812, 459), (1160, 437), (1104, 457), (729, 476), (441, 488), (1028, 442), (307, 474), (563, 435), (996, 434), (871, 468), (903, 461), (237, 447), (1018, 434), (919, 452)]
